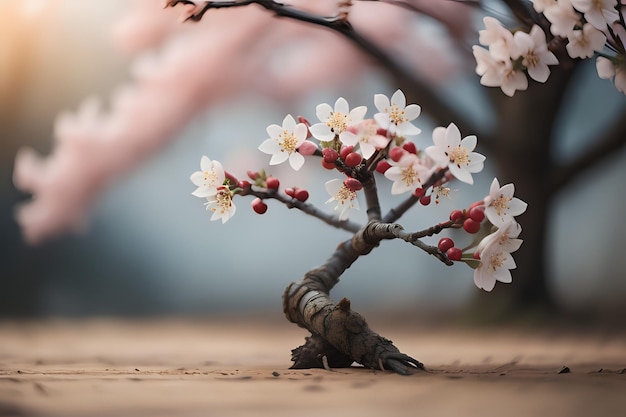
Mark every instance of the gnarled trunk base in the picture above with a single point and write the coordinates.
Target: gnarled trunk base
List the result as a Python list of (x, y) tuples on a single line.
[(339, 336)]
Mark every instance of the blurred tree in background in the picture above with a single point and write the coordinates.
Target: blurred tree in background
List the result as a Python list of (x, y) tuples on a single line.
[(180, 69)]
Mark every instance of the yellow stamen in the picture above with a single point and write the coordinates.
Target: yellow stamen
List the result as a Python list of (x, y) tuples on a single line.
[(288, 143), (501, 204), (338, 122)]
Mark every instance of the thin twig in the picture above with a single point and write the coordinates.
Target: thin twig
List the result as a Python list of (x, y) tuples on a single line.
[(308, 209)]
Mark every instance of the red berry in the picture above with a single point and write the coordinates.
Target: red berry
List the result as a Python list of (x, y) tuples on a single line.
[(382, 166), (353, 159), (445, 243), (425, 200), (476, 204), (290, 192), (345, 150), (409, 147), (352, 184), (454, 254), (419, 192), (477, 213), (328, 165), (456, 215), (259, 206), (471, 225), (301, 195), (272, 183), (330, 155), (395, 154)]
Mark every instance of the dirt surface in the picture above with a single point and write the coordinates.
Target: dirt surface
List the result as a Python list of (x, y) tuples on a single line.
[(239, 367)]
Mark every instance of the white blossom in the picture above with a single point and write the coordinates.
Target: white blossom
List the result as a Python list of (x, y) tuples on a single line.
[(500, 205), (583, 43), (335, 121), (456, 153), (395, 116), (495, 265), (345, 198), (221, 204), (533, 49), (366, 135), (498, 38), (407, 174), (208, 179), (284, 141)]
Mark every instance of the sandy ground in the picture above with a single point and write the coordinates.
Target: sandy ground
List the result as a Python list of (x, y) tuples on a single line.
[(239, 367)]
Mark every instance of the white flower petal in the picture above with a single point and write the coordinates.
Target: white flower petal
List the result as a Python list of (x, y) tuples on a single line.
[(278, 158), (269, 146), (289, 123), (274, 130), (322, 132), (381, 102), (323, 111), (412, 111), (341, 106), (398, 99), (296, 160), (300, 132), (205, 163), (357, 114)]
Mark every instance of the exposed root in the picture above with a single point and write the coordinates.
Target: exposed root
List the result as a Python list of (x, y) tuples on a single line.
[(340, 336)]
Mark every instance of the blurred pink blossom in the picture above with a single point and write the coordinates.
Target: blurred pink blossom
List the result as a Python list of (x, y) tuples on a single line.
[(181, 69)]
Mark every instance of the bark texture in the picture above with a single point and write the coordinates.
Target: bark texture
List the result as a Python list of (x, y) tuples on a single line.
[(340, 336)]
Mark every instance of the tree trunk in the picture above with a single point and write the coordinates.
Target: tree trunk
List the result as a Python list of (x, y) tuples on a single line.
[(522, 151)]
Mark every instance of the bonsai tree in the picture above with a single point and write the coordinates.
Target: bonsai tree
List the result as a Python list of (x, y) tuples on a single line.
[(364, 151)]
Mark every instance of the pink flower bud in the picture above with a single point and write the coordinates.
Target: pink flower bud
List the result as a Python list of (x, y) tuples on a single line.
[(301, 195), (259, 206), (272, 183), (307, 148)]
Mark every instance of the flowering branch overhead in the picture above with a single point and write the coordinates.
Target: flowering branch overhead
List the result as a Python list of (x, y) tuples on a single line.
[(569, 29), (341, 25)]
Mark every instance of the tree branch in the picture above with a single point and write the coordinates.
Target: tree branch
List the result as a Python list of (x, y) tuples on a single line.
[(338, 333), (438, 109), (307, 208)]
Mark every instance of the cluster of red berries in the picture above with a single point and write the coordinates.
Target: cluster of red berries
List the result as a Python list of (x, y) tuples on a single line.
[(472, 219), (259, 206), (395, 154), (350, 158), (299, 194)]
